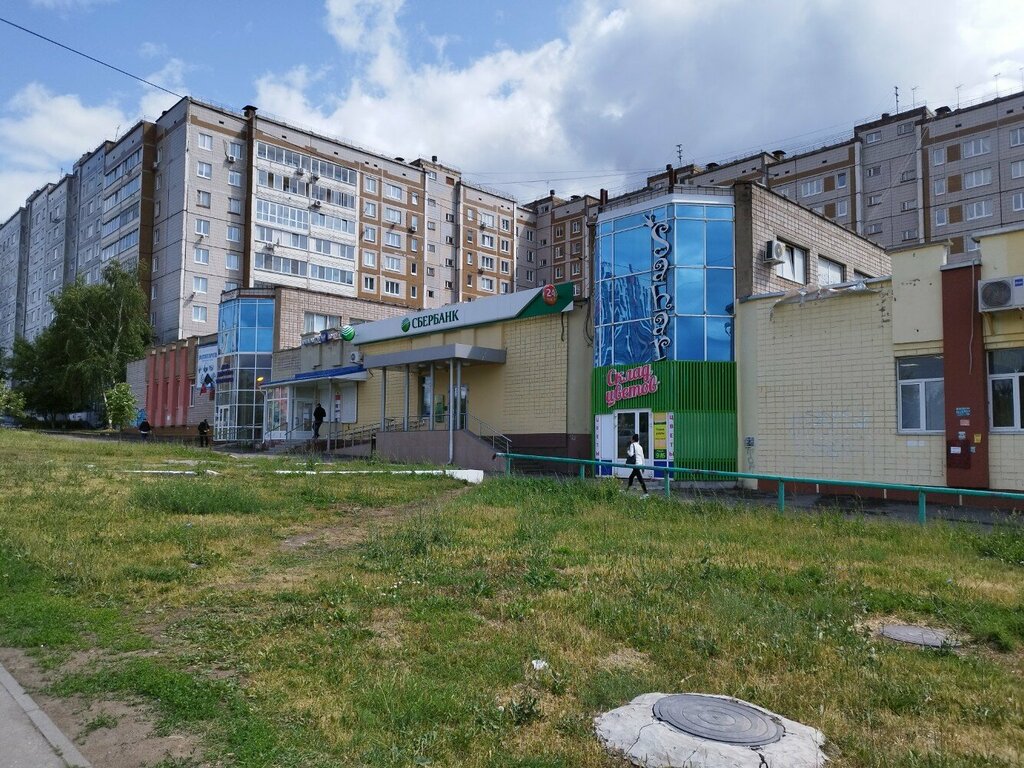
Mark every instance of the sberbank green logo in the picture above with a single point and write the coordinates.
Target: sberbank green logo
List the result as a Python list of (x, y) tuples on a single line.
[(348, 333), (434, 318)]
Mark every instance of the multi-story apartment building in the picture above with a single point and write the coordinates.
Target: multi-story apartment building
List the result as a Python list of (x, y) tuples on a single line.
[(207, 200), (555, 240), (913, 177)]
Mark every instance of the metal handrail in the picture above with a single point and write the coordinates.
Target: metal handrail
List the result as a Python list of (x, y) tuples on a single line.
[(921, 490), (497, 440)]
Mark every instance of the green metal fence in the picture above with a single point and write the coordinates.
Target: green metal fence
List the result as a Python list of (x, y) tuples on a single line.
[(922, 491)]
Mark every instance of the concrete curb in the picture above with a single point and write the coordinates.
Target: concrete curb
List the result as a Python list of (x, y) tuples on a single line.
[(61, 744)]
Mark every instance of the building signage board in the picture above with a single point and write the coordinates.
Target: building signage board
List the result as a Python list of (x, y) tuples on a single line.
[(661, 294), (206, 368), (510, 306), (629, 383)]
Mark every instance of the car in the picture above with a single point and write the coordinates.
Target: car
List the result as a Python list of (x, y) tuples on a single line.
[(9, 422)]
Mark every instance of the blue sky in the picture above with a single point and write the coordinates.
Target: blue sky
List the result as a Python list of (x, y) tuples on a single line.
[(524, 96)]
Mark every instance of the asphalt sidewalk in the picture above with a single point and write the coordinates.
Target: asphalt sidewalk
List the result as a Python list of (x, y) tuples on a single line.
[(28, 738)]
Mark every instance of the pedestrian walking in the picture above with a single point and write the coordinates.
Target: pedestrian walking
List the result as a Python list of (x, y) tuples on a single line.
[(319, 414), (635, 456), (145, 429), (204, 434)]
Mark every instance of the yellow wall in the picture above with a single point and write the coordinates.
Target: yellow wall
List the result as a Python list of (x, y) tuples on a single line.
[(917, 299), (817, 389), (532, 393)]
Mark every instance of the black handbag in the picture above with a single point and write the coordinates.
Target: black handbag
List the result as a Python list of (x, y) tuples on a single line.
[(631, 458)]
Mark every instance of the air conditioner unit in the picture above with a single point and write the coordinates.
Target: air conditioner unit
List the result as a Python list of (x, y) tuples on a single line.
[(230, 158), (355, 357), (412, 228), (300, 171), (317, 203), (156, 165), (482, 225), (1002, 293), (774, 252)]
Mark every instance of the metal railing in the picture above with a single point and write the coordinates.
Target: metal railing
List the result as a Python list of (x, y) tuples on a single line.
[(922, 491), (499, 442)]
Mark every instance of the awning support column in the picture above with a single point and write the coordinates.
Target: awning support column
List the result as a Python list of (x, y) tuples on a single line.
[(451, 421), (433, 396), (405, 415), (383, 397), (458, 396)]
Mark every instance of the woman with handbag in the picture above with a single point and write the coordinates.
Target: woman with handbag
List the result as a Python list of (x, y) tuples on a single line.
[(635, 456)]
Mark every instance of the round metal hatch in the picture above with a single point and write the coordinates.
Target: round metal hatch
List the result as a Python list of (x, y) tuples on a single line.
[(724, 720), (930, 638)]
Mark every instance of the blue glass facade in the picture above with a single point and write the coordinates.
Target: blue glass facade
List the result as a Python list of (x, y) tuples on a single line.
[(245, 345), (665, 284)]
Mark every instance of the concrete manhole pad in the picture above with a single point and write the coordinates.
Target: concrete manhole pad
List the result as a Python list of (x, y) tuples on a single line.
[(725, 720), (658, 730), (923, 636)]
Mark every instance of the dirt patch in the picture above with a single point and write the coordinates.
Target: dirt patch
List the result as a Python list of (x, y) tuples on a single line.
[(386, 627), (109, 733), (624, 658)]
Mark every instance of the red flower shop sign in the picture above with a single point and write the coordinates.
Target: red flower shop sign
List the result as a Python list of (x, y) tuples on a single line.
[(630, 383)]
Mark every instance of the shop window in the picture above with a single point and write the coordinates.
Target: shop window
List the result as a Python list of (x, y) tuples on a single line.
[(1006, 388), (921, 394)]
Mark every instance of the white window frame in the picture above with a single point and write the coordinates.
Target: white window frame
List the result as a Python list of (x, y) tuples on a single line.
[(370, 283), (204, 170), (826, 264), (1018, 201), (873, 137), (939, 156), (979, 209), (199, 313), (1017, 169), (205, 141), (811, 187), (235, 205), (203, 227), (234, 234), (200, 284), (391, 288), (939, 187), (1016, 137), (1017, 380), (393, 191), (941, 217), (842, 208), (201, 255), (979, 177), (234, 178), (841, 180), (921, 385), (233, 261), (787, 270), (976, 147)]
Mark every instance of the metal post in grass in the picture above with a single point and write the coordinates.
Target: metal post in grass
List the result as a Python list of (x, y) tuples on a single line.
[(508, 466), (583, 471), (922, 513), (782, 496), (668, 483)]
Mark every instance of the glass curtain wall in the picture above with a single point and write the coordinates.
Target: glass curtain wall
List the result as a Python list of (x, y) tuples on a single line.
[(699, 280), (245, 344)]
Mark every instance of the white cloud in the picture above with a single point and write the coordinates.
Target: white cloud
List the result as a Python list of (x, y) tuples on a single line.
[(68, 5), (624, 82), (151, 50)]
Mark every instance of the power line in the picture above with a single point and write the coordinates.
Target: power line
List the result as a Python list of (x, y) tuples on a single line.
[(90, 58)]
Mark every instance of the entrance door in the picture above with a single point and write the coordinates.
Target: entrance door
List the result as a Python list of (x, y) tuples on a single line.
[(302, 417), (221, 423), (628, 423)]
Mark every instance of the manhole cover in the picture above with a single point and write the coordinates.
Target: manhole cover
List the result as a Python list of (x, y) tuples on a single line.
[(906, 633), (725, 720)]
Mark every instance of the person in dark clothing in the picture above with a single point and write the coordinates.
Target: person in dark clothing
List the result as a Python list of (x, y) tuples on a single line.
[(145, 429), (318, 419), (635, 456), (204, 434)]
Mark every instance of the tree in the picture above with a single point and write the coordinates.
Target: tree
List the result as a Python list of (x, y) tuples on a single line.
[(97, 330), (11, 403), (39, 378), (120, 402)]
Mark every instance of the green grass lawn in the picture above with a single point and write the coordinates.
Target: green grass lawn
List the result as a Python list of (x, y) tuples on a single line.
[(296, 620)]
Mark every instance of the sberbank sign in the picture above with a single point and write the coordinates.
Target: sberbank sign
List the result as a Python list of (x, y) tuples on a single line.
[(434, 318)]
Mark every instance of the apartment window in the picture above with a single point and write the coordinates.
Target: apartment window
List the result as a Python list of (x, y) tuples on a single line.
[(448, 284), (559, 273), (1018, 201), (939, 187), (830, 272), (392, 288), (413, 269), (370, 184), (235, 150), (203, 227), (201, 255), (156, 210), (529, 235), (204, 170), (908, 175), (505, 267), (1006, 388), (369, 283), (449, 217), (487, 241), (977, 178), (842, 208), (487, 262), (469, 236), (233, 261), (205, 141), (234, 234), (487, 284), (431, 226), (393, 191), (392, 240), (470, 214), (369, 258), (941, 217), (199, 313), (393, 263), (529, 256), (152, 291), (874, 170), (979, 209), (875, 199), (873, 138), (909, 234), (486, 219), (505, 286), (369, 233), (921, 400), (203, 198), (199, 284), (576, 269), (235, 178), (975, 147), (156, 235), (469, 257), (414, 244), (971, 244), (794, 264), (1017, 169), (529, 275), (157, 182), (811, 188), (841, 180), (506, 225), (506, 246), (939, 156), (234, 205), (370, 209), (908, 205), (393, 215), (904, 128)]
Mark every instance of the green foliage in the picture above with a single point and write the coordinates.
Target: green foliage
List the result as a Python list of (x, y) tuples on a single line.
[(120, 403), (11, 403)]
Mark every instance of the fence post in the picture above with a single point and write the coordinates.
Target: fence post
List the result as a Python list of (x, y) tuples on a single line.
[(922, 514), (508, 466), (583, 471), (782, 496), (668, 483)]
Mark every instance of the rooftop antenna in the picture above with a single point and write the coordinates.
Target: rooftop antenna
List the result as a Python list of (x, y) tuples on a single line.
[(958, 95), (679, 153), (913, 96), (896, 90), (996, 78)]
